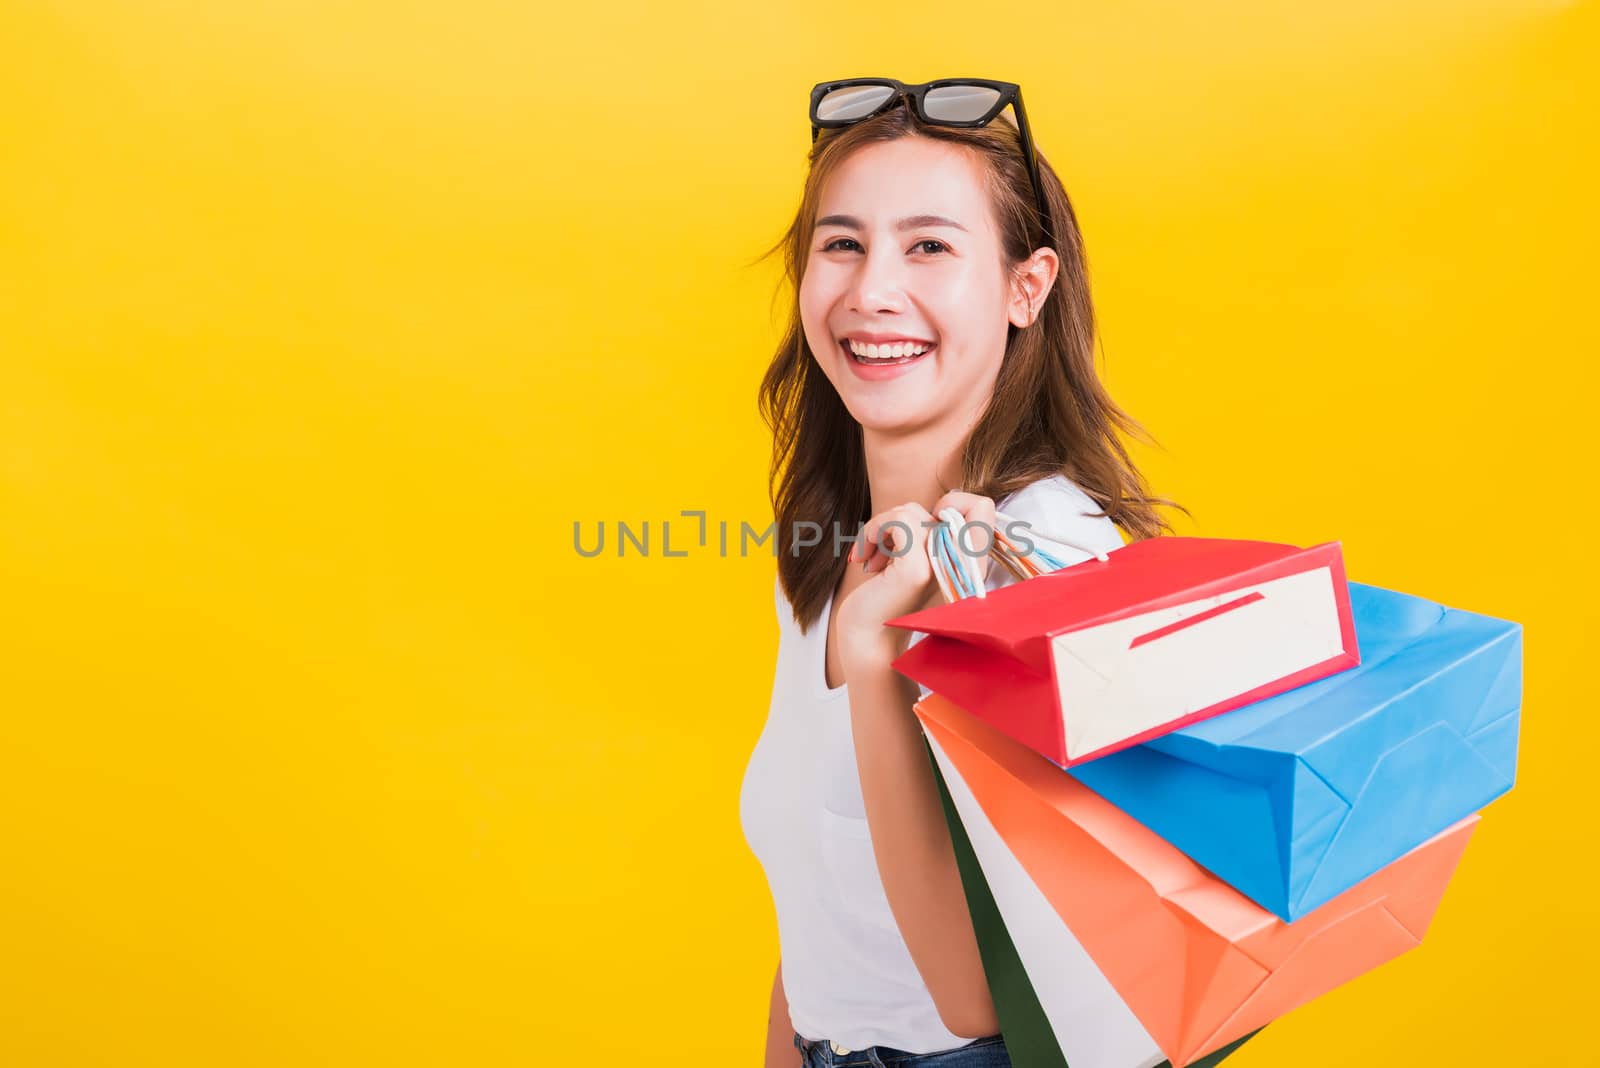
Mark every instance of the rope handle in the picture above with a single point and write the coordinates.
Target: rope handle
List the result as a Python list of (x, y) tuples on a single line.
[(956, 581)]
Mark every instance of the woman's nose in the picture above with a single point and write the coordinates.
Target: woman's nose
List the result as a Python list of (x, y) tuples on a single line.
[(879, 282)]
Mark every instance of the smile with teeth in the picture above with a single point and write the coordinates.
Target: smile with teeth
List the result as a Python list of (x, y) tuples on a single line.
[(899, 352)]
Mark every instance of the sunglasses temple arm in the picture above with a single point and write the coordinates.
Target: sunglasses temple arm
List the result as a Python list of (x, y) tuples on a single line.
[(1033, 164)]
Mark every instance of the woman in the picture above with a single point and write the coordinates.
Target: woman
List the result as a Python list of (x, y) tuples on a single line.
[(940, 353)]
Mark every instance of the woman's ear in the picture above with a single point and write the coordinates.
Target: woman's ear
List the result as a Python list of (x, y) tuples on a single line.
[(1031, 282)]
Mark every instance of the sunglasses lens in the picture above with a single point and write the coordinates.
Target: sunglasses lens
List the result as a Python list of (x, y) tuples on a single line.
[(960, 103), (853, 102)]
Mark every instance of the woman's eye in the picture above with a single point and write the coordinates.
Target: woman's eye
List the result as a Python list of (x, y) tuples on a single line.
[(836, 242)]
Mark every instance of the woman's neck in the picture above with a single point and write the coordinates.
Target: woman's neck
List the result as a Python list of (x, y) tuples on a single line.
[(909, 467)]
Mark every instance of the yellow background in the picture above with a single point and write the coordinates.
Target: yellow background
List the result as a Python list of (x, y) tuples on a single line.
[(320, 324)]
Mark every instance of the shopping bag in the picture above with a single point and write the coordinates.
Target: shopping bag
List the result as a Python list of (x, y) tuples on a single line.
[(1198, 964), (1101, 655), (1073, 1018), (1295, 799)]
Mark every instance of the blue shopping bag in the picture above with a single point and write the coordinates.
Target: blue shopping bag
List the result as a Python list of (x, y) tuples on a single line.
[(1295, 799)]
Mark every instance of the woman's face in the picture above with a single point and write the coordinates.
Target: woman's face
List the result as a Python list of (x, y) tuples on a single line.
[(905, 252)]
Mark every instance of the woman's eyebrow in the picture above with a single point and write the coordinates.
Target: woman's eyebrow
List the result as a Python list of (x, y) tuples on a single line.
[(912, 222)]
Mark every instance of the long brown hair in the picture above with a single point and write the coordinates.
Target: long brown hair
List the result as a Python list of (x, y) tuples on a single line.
[(1048, 415)]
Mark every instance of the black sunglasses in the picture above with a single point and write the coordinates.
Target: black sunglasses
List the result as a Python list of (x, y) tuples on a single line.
[(965, 102)]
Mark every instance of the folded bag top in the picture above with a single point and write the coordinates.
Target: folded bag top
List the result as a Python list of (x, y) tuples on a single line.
[(1101, 655)]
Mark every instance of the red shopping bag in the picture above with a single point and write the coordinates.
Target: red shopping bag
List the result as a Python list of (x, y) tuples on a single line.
[(1104, 654)]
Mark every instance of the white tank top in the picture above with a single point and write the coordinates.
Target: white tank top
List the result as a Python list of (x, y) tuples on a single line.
[(847, 972)]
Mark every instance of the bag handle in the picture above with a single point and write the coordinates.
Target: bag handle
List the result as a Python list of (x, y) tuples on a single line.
[(956, 581)]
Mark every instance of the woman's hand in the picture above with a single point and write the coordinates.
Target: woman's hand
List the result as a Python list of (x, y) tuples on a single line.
[(894, 547)]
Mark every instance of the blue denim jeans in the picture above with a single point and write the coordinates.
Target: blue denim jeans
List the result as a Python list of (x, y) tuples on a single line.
[(979, 1053)]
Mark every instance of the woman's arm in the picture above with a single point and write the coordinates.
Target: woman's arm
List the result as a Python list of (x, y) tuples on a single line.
[(780, 1032), (911, 841)]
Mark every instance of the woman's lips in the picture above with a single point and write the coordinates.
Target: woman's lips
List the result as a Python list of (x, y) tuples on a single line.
[(878, 370)]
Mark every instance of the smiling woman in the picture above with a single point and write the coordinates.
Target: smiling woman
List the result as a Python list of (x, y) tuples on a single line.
[(911, 232), (940, 352)]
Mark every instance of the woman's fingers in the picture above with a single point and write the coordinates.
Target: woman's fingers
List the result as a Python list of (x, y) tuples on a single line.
[(975, 537), (980, 515), (905, 528), (884, 537), (973, 507), (893, 533), (889, 533)]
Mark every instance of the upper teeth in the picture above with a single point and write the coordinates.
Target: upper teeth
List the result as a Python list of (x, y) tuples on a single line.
[(888, 352)]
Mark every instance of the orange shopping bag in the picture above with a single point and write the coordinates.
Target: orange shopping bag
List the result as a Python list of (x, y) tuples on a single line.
[(1196, 962)]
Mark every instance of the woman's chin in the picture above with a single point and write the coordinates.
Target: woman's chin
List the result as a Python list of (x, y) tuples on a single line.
[(883, 416)]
